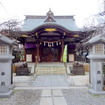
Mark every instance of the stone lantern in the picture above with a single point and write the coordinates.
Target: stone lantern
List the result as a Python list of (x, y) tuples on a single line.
[(5, 66), (97, 59)]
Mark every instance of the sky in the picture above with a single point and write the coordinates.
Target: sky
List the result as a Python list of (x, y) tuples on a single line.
[(17, 9)]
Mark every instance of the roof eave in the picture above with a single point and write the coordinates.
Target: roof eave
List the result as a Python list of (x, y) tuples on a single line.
[(51, 23)]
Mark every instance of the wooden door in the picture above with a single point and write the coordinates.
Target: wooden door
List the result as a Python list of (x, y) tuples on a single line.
[(50, 54)]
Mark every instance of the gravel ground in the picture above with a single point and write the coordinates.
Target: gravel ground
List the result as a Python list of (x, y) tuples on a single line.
[(23, 97), (82, 97)]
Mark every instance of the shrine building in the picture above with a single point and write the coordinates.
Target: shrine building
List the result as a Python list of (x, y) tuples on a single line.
[(44, 37)]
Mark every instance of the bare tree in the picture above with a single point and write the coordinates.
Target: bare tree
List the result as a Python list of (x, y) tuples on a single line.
[(96, 22), (94, 25), (10, 28)]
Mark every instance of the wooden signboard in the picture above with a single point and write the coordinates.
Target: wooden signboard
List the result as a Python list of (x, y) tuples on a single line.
[(71, 57), (29, 57)]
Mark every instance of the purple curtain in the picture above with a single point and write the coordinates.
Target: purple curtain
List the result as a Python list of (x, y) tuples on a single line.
[(30, 45)]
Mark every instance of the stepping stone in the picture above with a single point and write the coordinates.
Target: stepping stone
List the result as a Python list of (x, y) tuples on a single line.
[(46, 101), (46, 93), (57, 93), (59, 101)]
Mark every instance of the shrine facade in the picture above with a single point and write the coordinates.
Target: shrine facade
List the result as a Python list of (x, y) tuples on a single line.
[(44, 37)]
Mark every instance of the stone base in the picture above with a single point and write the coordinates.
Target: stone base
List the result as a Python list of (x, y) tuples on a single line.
[(6, 95), (96, 92), (89, 86), (12, 86)]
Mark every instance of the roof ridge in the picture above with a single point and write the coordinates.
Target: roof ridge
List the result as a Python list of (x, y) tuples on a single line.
[(43, 17)]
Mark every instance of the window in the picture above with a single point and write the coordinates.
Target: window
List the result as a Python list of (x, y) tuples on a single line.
[(99, 49), (3, 49)]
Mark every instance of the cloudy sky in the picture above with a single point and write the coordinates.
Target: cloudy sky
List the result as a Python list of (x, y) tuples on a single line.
[(82, 9)]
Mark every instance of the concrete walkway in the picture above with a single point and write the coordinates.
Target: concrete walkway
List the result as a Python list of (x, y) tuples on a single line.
[(52, 97), (51, 81)]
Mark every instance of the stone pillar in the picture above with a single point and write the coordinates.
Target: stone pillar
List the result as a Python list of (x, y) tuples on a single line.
[(97, 58), (96, 74), (6, 88)]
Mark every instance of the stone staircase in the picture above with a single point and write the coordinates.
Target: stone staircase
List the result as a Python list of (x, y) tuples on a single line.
[(50, 68)]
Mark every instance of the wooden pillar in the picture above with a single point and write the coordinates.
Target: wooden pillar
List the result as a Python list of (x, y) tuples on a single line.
[(37, 53), (62, 49), (24, 53)]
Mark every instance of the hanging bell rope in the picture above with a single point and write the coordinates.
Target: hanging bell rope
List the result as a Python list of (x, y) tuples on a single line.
[(52, 44), (60, 42), (56, 43), (44, 43)]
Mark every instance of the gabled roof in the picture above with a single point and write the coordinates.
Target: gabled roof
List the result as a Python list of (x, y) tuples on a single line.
[(32, 22), (50, 17), (6, 39)]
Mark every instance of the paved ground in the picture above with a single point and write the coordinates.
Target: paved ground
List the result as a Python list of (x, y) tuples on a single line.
[(81, 96), (65, 90), (78, 80), (52, 90), (51, 80), (52, 97), (23, 97), (71, 96)]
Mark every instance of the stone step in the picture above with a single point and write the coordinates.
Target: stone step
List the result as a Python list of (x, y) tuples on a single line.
[(50, 70)]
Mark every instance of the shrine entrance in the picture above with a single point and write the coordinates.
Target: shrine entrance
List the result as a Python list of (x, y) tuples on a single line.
[(51, 54)]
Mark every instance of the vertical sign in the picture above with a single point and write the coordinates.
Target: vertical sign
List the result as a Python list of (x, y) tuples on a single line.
[(29, 57)]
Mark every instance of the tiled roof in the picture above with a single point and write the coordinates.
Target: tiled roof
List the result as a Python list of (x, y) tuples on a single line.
[(32, 22)]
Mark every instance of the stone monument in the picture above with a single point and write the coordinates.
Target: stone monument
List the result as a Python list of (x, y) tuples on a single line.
[(97, 58), (6, 86)]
